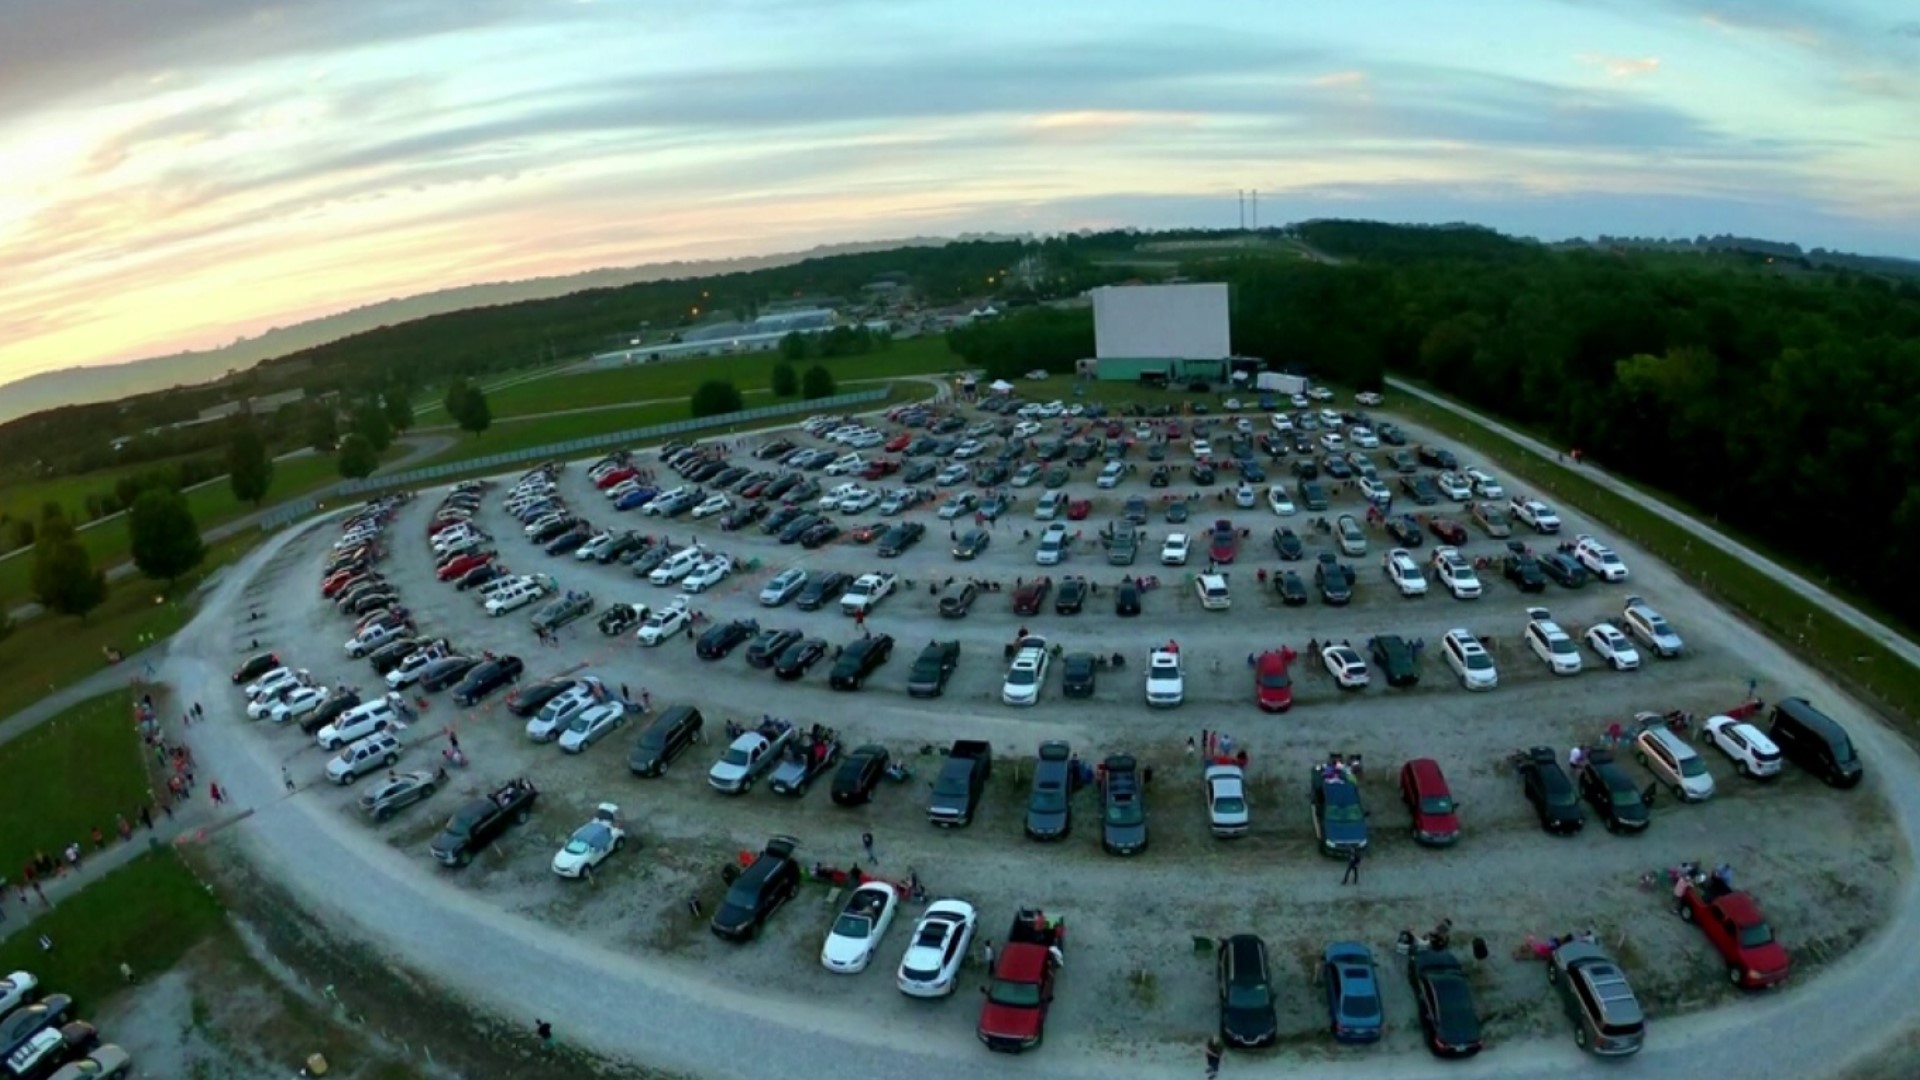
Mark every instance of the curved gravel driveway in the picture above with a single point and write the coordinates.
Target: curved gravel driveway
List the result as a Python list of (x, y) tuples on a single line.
[(661, 1012)]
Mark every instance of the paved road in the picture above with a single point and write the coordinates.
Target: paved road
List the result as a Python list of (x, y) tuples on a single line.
[(659, 1011), (423, 446), (1888, 637)]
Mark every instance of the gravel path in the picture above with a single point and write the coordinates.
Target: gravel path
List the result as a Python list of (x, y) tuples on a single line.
[(667, 1010)]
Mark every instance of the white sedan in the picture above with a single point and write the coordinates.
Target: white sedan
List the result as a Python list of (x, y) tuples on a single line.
[(664, 624), (715, 504), (1244, 496), (1175, 551), (856, 934), (1345, 665), (1279, 501), (16, 988), (296, 704), (941, 941), (1614, 647), (591, 843)]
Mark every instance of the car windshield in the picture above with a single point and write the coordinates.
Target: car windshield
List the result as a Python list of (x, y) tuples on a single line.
[(1275, 680), (1344, 812), (1249, 997), (1230, 804), (1020, 677), (1626, 799), (587, 838), (1752, 937), (581, 722), (1123, 812), (1658, 625), (1562, 646), (1436, 804), (1479, 662), (735, 756), (857, 927), (1049, 799), (1016, 994), (1693, 767)]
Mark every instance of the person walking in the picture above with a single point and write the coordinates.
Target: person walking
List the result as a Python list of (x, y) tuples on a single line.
[(1352, 876), (286, 777), (646, 700), (866, 841), (146, 817), (545, 1032), (986, 955), (1214, 1053), (219, 797)]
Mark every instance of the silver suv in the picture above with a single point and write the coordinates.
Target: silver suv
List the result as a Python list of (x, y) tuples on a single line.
[(1606, 1016), (1669, 757)]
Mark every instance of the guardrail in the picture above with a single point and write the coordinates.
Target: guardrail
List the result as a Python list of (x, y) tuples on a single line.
[(294, 511)]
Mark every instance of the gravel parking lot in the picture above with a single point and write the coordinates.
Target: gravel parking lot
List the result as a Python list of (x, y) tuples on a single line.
[(1819, 861)]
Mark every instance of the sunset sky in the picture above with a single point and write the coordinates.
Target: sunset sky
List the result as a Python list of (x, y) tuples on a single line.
[(182, 172)]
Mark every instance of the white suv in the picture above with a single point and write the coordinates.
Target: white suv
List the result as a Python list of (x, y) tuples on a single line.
[(1166, 682), (1551, 644), (1404, 572), (1599, 558), (1752, 752), (1469, 659), (1174, 552), (1213, 592), (1456, 573), (1027, 674), (1053, 546)]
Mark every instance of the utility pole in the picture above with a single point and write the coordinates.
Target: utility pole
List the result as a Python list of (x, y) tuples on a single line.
[(1256, 209), (1243, 208)]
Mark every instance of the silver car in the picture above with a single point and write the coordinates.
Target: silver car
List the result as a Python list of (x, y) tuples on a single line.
[(401, 790)]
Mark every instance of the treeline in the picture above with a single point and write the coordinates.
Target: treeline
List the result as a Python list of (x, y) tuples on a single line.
[(839, 341), (1786, 404), (1046, 338)]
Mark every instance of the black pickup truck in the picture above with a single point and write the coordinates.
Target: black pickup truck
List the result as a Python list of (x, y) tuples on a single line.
[(956, 791), (481, 821)]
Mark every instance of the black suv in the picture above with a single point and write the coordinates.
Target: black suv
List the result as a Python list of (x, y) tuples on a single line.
[(770, 881), (1050, 804), (1612, 794), (858, 660), (1077, 675), (1247, 1015), (932, 668), (1525, 573), (723, 639), (822, 589), (1071, 597), (1563, 570), (769, 645), (1550, 791), (487, 677), (1335, 581), (859, 773), (1394, 658), (663, 739)]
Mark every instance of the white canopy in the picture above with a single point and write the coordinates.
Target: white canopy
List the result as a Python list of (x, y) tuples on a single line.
[(1000, 386)]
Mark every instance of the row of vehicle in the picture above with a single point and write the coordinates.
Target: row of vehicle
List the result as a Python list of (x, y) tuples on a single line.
[(41, 1039)]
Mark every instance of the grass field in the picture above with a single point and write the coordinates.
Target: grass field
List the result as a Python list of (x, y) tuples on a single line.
[(67, 777), (1846, 654), (44, 654), (675, 381), (146, 914)]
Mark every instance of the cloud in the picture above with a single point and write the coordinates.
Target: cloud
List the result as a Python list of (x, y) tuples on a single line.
[(1622, 67), (1340, 78)]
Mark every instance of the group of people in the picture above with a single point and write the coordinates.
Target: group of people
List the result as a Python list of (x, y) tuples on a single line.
[(1542, 949)]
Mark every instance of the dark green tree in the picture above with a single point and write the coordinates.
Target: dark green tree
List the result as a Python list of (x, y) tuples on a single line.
[(816, 383), (716, 397), (370, 423), (456, 399), (22, 533), (162, 535), (475, 414), (399, 408), (323, 428), (793, 347), (786, 381), (64, 579), (249, 469), (357, 457)]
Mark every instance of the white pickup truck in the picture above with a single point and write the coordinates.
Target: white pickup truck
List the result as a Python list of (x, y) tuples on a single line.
[(751, 753), (866, 593), (1535, 514)]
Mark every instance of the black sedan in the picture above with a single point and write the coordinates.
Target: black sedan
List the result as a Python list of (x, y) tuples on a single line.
[(1394, 658), (444, 673), (858, 660), (254, 667), (1287, 545), (932, 668), (528, 700), (1420, 490), (800, 658), (1525, 573), (1077, 675), (971, 544), (1405, 531), (798, 528), (1126, 598), (1335, 581), (330, 710), (859, 773), (1552, 794), (822, 589), (721, 640), (957, 603), (388, 656), (769, 645), (1247, 1014), (1071, 597), (1292, 590), (480, 575), (899, 538), (1447, 1015), (486, 677), (820, 535)]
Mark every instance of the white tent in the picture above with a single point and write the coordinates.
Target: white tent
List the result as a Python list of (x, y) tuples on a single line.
[(1000, 386)]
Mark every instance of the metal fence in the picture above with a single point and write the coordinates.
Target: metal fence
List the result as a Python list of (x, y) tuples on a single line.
[(294, 511)]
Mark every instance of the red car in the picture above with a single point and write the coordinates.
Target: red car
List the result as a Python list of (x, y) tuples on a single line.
[(878, 468), (440, 525), (1737, 930), (614, 476), (755, 489), (1448, 530), (898, 443), (332, 586), (1272, 686), (1014, 1016), (456, 568), (1224, 542), (1424, 789), (1174, 431), (1114, 429), (1078, 509), (1028, 598)]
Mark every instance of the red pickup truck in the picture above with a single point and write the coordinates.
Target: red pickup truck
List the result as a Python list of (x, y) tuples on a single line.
[(1737, 930), (1014, 1017)]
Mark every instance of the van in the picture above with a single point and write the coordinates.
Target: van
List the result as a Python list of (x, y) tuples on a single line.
[(1815, 742), (379, 750), (1676, 764), (1051, 505), (1353, 539), (1607, 1019)]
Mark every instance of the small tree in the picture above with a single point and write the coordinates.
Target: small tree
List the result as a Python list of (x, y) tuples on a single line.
[(475, 414), (370, 423), (793, 347), (323, 429), (249, 469), (357, 458), (786, 382), (64, 579), (816, 383), (716, 397), (162, 535), (457, 399), (399, 408)]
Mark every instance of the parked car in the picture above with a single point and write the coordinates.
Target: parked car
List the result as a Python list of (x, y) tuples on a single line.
[(1612, 794), (664, 738), (860, 772), (939, 948), (1737, 930), (1607, 1018), (1050, 799), (1351, 981), (1445, 1000), (1248, 1017), (764, 887), (1123, 823), (1423, 788), (1752, 753)]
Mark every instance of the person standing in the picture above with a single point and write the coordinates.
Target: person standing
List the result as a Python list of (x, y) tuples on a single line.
[(219, 797), (986, 955), (866, 841), (1214, 1052), (286, 777), (1352, 876), (545, 1031)]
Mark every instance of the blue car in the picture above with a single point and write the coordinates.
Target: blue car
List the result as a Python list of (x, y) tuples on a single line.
[(1339, 818), (1252, 473), (1352, 982), (635, 498)]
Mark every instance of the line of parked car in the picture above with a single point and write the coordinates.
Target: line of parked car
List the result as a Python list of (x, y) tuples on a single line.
[(42, 1039)]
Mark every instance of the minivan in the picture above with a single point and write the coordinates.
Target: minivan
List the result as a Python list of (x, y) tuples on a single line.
[(1607, 1019), (664, 738), (1676, 764), (1051, 505), (1815, 742)]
